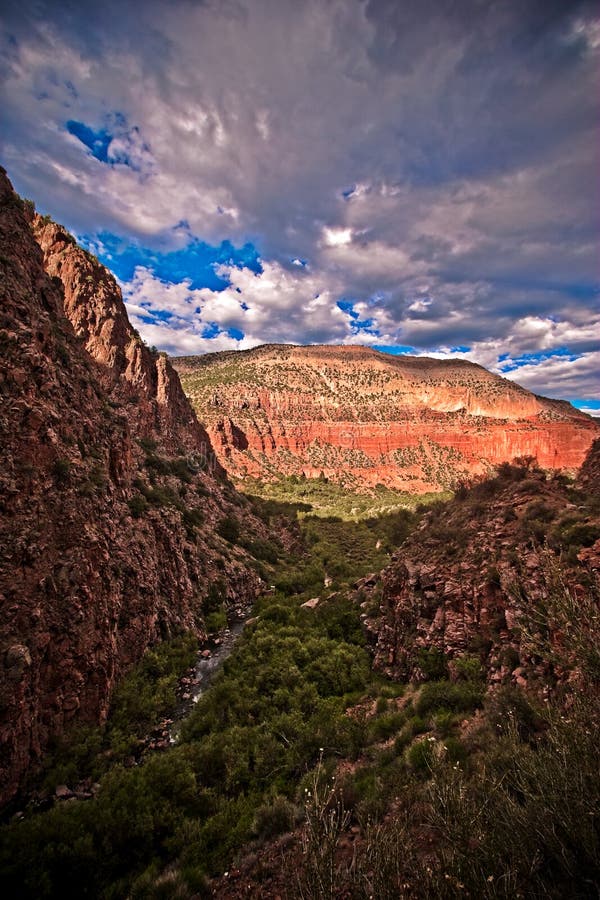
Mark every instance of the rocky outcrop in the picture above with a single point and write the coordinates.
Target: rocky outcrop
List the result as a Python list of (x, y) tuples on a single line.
[(110, 496), (477, 575), (361, 417), (588, 478), (128, 369)]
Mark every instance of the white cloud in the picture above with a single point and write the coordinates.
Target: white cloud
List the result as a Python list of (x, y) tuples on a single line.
[(337, 237)]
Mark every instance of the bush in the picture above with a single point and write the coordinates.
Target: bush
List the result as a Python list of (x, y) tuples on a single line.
[(61, 469), (432, 663), (467, 668), (229, 529), (137, 505), (192, 519), (215, 621), (274, 818), (460, 697), (420, 755)]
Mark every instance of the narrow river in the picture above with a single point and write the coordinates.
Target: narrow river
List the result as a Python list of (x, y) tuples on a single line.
[(203, 673)]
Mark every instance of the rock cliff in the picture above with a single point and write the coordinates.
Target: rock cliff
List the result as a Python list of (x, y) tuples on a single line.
[(110, 495), (363, 417), (509, 562)]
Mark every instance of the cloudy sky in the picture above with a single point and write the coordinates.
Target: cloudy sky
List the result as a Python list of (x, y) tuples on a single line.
[(418, 177)]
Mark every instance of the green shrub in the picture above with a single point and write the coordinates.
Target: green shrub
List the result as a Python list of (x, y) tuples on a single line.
[(215, 621), (137, 505), (383, 727), (455, 751), (192, 519), (274, 818), (459, 697), (432, 663), (443, 721), (229, 529), (420, 755), (416, 725), (468, 668), (61, 469), (148, 444)]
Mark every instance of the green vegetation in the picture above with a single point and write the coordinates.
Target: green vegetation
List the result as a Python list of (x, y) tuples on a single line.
[(141, 700), (493, 794), (327, 498), (61, 469)]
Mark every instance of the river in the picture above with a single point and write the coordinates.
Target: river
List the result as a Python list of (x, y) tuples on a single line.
[(203, 673)]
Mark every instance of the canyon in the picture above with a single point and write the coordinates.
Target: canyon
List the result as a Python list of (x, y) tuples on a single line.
[(361, 417), (120, 529)]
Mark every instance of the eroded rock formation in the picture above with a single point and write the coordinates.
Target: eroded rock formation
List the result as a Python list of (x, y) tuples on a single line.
[(363, 417), (109, 493), (487, 575)]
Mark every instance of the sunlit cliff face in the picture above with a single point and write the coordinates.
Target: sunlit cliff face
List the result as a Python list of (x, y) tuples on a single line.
[(363, 418)]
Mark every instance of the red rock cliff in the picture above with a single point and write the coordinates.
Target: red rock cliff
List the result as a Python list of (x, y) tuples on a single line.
[(105, 546), (363, 417), (468, 579)]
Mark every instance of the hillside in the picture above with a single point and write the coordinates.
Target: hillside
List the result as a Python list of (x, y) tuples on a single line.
[(363, 418), (482, 571), (111, 500)]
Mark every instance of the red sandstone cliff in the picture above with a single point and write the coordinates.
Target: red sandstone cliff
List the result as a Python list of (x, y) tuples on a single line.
[(363, 417), (105, 545)]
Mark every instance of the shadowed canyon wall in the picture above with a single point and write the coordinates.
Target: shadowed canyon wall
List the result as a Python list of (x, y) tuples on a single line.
[(109, 493)]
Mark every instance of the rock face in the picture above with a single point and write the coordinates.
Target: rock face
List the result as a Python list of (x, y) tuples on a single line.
[(588, 478), (362, 417), (466, 581), (109, 493)]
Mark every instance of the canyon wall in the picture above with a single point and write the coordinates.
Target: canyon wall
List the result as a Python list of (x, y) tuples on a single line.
[(362, 417), (110, 495), (506, 564)]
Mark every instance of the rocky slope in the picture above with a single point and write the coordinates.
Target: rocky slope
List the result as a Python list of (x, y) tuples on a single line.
[(363, 417), (110, 497), (508, 563)]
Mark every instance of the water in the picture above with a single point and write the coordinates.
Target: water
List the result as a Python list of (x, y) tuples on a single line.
[(204, 672)]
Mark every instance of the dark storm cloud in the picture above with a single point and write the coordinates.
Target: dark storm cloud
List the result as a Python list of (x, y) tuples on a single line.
[(433, 164)]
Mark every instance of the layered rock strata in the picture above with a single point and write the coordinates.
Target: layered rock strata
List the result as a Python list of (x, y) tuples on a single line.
[(362, 417)]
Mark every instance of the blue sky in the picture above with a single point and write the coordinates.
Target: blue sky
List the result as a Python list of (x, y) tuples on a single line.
[(415, 178)]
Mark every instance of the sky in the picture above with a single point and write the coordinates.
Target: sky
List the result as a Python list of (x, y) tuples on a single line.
[(415, 177)]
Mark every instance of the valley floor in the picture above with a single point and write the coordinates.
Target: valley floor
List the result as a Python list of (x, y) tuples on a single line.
[(302, 773)]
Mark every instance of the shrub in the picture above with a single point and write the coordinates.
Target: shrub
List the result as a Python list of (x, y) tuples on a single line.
[(137, 505), (509, 710), (386, 725), (215, 621), (459, 697), (148, 444), (432, 663), (420, 755), (229, 529), (443, 721), (455, 751), (468, 668), (192, 518), (61, 469), (274, 818)]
